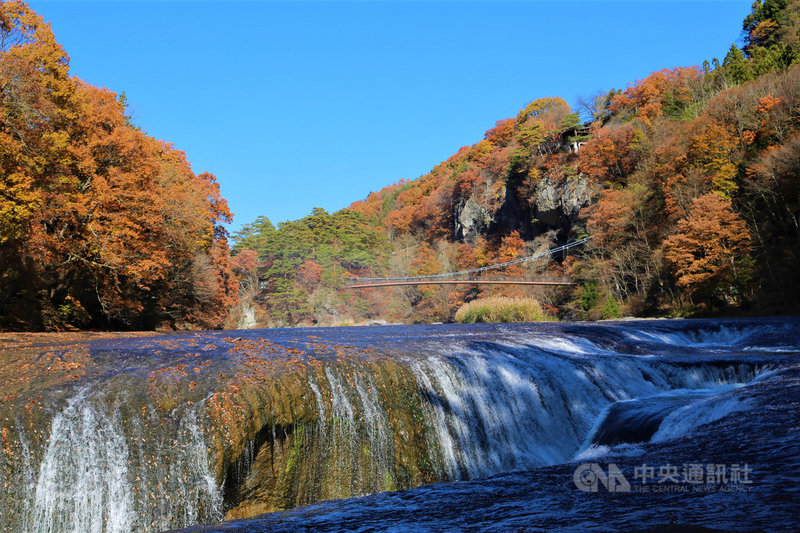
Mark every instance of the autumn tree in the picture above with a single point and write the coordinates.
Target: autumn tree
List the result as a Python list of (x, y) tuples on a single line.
[(622, 227), (245, 265), (713, 149), (502, 133), (35, 95), (665, 92), (510, 248), (100, 225), (611, 155), (710, 253), (437, 302)]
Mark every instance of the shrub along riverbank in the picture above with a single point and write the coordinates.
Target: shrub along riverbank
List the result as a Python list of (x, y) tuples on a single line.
[(502, 309)]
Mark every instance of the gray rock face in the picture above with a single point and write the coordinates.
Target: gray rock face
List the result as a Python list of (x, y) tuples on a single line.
[(472, 220), (554, 205), (557, 204)]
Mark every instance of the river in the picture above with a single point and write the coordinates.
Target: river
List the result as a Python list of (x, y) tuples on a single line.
[(606, 426)]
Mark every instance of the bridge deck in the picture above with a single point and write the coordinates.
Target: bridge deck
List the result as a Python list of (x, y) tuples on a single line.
[(460, 282)]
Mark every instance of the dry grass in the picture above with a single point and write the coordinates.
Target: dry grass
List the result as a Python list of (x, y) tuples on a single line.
[(502, 309)]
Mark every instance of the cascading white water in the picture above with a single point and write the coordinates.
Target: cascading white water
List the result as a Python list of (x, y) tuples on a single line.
[(446, 414), (491, 404), (193, 487), (356, 407), (343, 411), (95, 476), (681, 421), (377, 427), (491, 413), (312, 384), (83, 479), (505, 406), (721, 336)]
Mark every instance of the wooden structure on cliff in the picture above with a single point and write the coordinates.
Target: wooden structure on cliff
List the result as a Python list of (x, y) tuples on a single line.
[(570, 140)]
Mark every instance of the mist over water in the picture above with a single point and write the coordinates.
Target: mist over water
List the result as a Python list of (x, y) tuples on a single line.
[(236, 431)]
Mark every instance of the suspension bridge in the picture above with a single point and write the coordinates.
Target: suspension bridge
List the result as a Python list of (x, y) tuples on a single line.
[(473, 276)]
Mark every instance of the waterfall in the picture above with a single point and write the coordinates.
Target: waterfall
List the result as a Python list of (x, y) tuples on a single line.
[(721, 336), (113, 455), (248, 318), (97, 476), (356, 431), (681, 421), (83, 479), (502, 406)]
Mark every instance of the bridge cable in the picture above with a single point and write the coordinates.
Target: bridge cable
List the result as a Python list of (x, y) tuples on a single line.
[(561, 248)]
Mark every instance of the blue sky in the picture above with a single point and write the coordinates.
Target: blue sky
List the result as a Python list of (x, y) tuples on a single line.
[(304, 104)]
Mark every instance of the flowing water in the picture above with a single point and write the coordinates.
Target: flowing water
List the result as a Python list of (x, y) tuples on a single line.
[(158, 433)]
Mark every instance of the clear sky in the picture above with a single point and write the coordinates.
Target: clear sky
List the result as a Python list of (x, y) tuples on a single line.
[(303, 104)]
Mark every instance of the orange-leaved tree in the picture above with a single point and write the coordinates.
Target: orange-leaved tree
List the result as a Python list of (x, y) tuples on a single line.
[(100, 224), (710, 253), (663, 92)]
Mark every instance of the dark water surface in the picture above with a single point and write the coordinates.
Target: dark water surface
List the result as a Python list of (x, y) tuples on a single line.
[(499, 428)]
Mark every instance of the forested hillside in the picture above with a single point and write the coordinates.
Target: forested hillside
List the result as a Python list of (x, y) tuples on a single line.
[(101, 226), (687, 181)]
